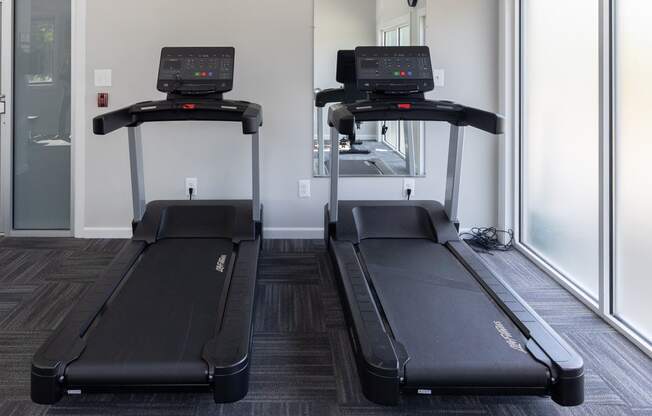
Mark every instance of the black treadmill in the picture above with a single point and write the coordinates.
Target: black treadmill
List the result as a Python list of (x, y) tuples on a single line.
[(426, 315), (174, 309)]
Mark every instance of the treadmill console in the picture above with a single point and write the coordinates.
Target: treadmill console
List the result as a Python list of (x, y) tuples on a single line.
[(400, 70), (196, 71)]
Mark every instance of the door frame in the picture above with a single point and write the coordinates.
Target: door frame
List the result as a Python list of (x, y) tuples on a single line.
[(6, 120)]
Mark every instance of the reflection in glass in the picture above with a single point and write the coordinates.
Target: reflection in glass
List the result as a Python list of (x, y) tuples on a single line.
[(561, 137), (380, 149), (633, 169), (41, 164)]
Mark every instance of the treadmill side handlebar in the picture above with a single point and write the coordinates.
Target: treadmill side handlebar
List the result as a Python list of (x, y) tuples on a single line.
[(249, 114), (343, 117), (484, 120), (252, 119), (332, 95), (346, 94), (109, 122)]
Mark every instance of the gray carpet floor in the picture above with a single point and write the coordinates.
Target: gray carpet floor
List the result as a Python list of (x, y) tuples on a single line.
[(302, 361)]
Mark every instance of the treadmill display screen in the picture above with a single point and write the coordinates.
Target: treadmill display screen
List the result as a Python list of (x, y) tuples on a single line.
[(196, 70), (397, 70)]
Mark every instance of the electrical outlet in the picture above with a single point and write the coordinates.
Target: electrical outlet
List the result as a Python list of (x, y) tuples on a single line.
[(439, 76), (191, 183), (304, 189), (408, 183)]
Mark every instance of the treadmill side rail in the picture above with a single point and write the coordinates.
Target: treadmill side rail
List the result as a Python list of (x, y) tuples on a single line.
[(228, 353), (114, 120), (378, 360), (67, 342), (567, 381)]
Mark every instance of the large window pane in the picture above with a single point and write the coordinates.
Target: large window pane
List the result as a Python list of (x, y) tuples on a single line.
[(404, 36), (633, 167), (560, 177), (42, 115)]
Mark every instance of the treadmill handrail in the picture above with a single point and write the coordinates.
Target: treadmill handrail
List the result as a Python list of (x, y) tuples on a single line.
[(343, 117), (338, 95), (187, 109)]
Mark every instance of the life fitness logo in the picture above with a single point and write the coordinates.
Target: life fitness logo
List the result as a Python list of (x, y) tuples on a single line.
[(221, 262), (507, 336)]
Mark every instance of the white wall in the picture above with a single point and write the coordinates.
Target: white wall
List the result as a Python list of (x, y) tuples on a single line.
[(388, 11), (274, 66), (340, 24), (463, 39)]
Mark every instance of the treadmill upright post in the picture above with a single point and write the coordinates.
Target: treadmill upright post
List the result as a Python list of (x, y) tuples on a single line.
[(408, 130), (453, 173), (255, 175), (137, 178), (335, 174)]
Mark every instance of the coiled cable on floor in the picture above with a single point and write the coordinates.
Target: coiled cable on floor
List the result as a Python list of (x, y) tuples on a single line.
[(489, 238)]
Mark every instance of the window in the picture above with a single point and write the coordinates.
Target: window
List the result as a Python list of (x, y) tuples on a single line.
[(633, 171), (585, 181), (395, 130), (560, 137)]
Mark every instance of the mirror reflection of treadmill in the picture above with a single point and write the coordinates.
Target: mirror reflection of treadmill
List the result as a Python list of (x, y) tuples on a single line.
[(369, 157)]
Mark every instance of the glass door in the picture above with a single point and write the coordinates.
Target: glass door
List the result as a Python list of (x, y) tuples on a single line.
[(36, 131), (5, 123)]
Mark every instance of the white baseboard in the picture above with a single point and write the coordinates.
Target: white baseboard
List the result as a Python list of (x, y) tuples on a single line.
[(272, 233), (277, 233), (105, 232)]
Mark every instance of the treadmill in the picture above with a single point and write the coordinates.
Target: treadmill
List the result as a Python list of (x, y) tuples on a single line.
[(174, 310), (425, 314)]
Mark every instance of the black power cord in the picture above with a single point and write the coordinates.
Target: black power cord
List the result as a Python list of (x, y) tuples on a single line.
[(489, 238)]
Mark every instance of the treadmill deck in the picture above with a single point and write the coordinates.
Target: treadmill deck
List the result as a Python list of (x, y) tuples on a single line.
[(454, 334), (155, 327)]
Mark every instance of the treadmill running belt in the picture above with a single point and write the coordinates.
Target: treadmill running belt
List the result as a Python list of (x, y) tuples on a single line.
[(154, 329), (360, 167), (454, 334)]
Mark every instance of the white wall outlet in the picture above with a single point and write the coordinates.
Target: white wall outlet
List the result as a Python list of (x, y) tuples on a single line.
[(409, 183), (191, 183), (304, 188), (103, 78), (439, 76)]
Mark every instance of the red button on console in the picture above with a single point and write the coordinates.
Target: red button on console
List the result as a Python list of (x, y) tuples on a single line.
[(189, 106), (405, 106)]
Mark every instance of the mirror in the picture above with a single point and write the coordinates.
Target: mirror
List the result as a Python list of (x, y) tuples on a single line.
[(393, 148)]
